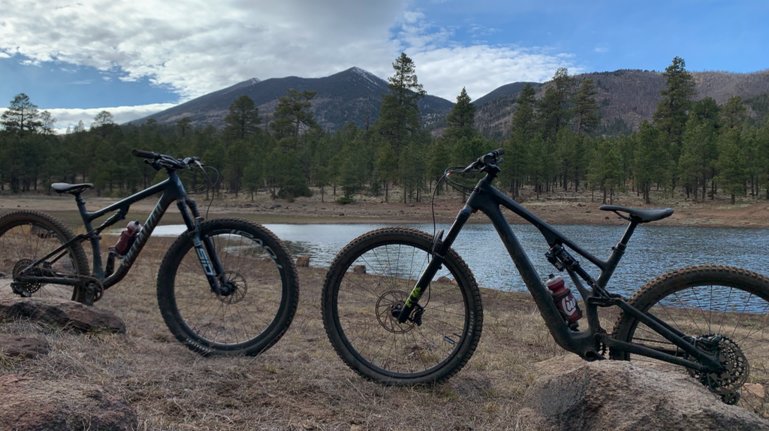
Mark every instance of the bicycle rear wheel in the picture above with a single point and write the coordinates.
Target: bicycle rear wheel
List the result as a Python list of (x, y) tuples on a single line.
[(367, 283), (25, 237), (260, 298), (726, 311)]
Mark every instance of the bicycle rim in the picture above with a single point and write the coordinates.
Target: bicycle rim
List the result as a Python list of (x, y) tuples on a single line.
[(428, 348), (24, 239), (258, 304), (726, 310)]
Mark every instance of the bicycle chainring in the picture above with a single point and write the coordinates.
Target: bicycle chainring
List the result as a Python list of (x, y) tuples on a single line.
[(736, 367)]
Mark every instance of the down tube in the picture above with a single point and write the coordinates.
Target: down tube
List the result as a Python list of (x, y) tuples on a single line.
[(577, 342)]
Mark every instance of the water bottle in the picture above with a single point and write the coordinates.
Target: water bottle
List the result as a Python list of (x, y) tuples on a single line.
[(127, 237), (564, 300)]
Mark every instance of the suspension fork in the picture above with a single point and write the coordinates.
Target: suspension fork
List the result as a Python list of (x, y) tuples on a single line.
[(438, 254), (204, 246)]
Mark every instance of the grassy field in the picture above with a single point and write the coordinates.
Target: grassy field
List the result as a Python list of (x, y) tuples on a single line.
[(300, 383)]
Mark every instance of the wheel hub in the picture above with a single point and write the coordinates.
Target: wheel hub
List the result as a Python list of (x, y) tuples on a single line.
[(388, 308), (233, 289)]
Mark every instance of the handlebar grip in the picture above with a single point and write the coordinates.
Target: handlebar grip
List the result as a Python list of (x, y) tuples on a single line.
[(493, 156), (145, 154)]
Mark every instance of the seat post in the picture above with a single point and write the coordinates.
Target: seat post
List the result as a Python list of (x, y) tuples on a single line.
[(80, 203)]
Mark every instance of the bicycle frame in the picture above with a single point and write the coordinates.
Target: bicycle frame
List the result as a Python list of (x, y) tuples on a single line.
[(170, 190), (586, 343)]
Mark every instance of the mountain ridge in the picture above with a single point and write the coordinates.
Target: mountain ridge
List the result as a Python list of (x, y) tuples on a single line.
[(626, 98)]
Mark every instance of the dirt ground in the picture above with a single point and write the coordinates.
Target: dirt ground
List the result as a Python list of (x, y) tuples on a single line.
[(560, 209)]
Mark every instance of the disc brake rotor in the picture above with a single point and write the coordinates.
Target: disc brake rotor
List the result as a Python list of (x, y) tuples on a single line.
[(387, 308), (234, 288)]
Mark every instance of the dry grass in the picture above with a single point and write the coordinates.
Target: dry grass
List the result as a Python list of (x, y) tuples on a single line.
[(299, 383)]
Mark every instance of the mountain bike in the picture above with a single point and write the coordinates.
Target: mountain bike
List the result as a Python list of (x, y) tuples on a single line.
[(224, 286), (400, 306)]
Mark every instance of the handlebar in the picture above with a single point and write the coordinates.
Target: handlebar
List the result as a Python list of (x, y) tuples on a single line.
[(164, 161), (487, 162)]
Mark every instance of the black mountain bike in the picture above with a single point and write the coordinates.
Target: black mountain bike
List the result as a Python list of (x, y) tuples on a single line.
[(225, 286), (402, 307)]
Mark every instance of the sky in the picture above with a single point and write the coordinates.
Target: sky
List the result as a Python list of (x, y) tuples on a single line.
[(76, 58)]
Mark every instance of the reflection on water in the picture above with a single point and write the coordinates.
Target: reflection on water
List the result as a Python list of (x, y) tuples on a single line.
[(652, 249)]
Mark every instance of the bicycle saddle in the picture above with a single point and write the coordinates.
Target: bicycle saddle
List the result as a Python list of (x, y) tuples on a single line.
[(70, 188), (639, 215)]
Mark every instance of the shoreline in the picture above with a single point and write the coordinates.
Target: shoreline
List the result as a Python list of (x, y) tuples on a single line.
[(751, 214)]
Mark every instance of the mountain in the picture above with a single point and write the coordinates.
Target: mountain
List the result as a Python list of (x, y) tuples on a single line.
[(350, 96), (625, 98)]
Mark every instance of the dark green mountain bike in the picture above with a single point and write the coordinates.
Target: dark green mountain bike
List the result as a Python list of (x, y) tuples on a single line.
[(225, 286), (402, 307)]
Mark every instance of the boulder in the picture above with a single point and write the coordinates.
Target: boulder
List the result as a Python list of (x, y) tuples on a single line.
[(570, 394), (30, 404), (67, 314)]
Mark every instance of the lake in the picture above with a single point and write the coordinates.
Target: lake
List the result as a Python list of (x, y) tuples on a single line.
[(652, 249)]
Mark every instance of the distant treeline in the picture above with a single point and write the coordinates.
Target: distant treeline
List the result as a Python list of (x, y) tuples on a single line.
[(697, 148)]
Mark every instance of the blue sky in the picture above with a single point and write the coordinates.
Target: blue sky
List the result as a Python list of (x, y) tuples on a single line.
[(134, 58)]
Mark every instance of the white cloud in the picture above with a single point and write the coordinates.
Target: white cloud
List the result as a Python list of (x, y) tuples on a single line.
[(69, 118), (202, 46), (199, 46), (480, 69), (444, 67)]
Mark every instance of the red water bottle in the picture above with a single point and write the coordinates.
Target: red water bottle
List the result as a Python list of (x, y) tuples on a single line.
[(564, 300), (127, 237)]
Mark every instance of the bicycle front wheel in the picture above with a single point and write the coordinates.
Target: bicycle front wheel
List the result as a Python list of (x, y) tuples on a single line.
[(366, 286), (25, 238), (725, 311), (258, 296)]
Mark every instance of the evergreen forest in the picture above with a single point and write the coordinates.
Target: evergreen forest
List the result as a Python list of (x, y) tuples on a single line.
[(696, 149)]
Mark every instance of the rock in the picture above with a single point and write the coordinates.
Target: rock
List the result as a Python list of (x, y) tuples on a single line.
[(23, 347), (303, 261), (30, 404), (570, 394), (67, 314), (359, 269)]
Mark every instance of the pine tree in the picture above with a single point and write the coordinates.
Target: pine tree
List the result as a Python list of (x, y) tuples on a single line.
[(553, 115), (698, 154), (648, 160), (399, 123), (21, 117), (586, 115), (605, 168), (672, 111), (461, 119), (399, 119), (519, 147), (293, 116), (242, 119), (732, 172)]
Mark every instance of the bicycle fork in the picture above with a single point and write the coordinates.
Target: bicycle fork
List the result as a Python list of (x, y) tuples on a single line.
[(209, 261), (411, 309)]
